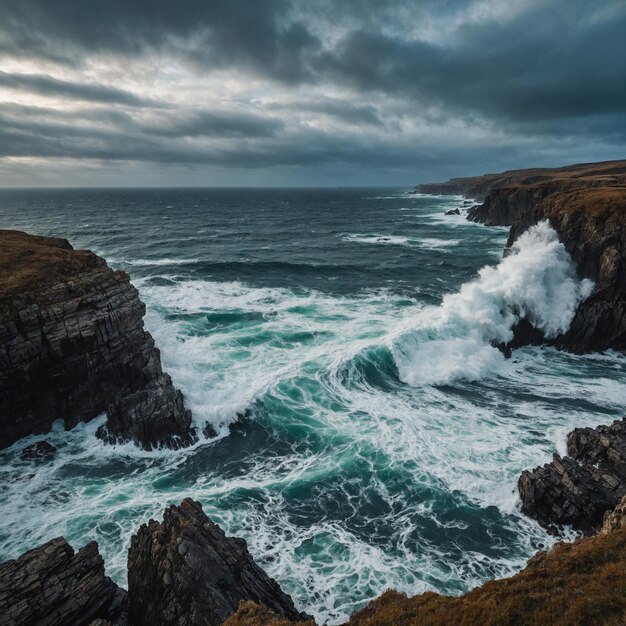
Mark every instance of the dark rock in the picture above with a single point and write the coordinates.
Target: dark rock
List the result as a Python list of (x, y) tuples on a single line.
[(40, 451), (52, 585), (72, 329), (579, 489), (453, 212), (185, 571), (586, 205), (592, 226)]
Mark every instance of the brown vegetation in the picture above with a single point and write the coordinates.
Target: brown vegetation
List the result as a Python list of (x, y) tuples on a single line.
[(575, 584), (28, 261)]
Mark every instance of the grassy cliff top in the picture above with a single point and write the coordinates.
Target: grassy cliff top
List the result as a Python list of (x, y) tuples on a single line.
[(29, 261)]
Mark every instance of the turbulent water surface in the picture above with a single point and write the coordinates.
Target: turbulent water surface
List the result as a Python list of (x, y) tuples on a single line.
[(383, 434)]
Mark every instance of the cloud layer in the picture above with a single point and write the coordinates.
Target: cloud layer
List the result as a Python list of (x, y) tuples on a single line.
[(293, 92)]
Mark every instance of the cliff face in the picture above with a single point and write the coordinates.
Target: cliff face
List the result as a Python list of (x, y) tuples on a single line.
[(586, 205), (52, 585), (591, 223), (185, 571), (73, 345)]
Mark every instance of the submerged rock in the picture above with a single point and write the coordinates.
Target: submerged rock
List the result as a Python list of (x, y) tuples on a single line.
[(453, 212), (53, 585), (185, 571), (579, 489), (73, 345), (40, 451)]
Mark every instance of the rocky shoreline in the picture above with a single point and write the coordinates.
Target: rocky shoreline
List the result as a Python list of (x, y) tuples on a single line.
[(73, 329), (184, 571)]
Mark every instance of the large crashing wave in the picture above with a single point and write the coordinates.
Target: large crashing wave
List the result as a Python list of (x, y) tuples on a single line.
[(537, 281)]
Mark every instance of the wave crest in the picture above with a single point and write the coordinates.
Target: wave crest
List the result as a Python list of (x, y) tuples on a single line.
[(537, 281)]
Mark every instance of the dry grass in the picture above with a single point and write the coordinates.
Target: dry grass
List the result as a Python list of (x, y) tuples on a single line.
[(28, 261), (575, 584)]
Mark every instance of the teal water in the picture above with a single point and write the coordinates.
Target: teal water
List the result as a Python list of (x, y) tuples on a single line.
[(384, 434)]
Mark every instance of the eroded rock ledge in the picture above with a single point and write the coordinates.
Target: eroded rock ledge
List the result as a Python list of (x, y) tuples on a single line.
[(579, 489), (186, 571), (53, 585), (73, 345)]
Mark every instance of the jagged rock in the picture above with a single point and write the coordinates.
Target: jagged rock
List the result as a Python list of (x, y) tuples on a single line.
[(51, 585), (185, 571), (72, 329), (615, 520), (39, 451), (579, 489), (453, 212)]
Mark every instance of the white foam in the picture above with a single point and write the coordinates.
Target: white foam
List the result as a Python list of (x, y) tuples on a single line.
[(159, 262), (431, 243), (537, 281), (379, 239)]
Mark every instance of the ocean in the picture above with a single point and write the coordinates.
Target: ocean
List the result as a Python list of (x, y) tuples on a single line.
[(340, 341)]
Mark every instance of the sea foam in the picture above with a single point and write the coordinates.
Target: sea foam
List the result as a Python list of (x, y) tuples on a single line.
[(536, 281)]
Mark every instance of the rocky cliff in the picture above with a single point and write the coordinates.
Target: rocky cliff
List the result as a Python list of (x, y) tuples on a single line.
[(183, 571), (52, 585), (586, 205), (186, 571), (73, 345), (579, 489), (591, 223), (479, 188)]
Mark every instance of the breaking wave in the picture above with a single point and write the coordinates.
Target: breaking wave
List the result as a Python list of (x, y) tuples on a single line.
[(537, 281)]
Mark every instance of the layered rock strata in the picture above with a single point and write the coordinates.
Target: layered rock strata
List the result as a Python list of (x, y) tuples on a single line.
[(586, 205), (579, 489), (185, 571), (51, 585), (73, 345)]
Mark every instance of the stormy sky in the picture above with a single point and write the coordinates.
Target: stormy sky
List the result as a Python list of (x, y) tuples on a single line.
[(295, 92)]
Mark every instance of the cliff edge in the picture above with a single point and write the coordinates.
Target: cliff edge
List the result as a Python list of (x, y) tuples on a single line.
[(586, 205), (73, 346)]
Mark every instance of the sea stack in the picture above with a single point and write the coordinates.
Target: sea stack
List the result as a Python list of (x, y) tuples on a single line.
[(73, 346)]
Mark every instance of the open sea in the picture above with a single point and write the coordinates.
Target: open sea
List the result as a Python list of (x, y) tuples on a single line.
[(340, 341)]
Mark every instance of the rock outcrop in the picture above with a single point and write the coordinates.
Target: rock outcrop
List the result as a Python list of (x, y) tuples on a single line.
[(498, 211), (586, 205), (53, 586), (580, 488), (615, 520), (591, 224), (185, 571), (72, 330)]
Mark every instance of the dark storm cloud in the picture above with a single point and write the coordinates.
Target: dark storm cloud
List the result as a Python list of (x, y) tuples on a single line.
[(368, 82), (348, 112), (219, 33), (216, 124), (48, 86)]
